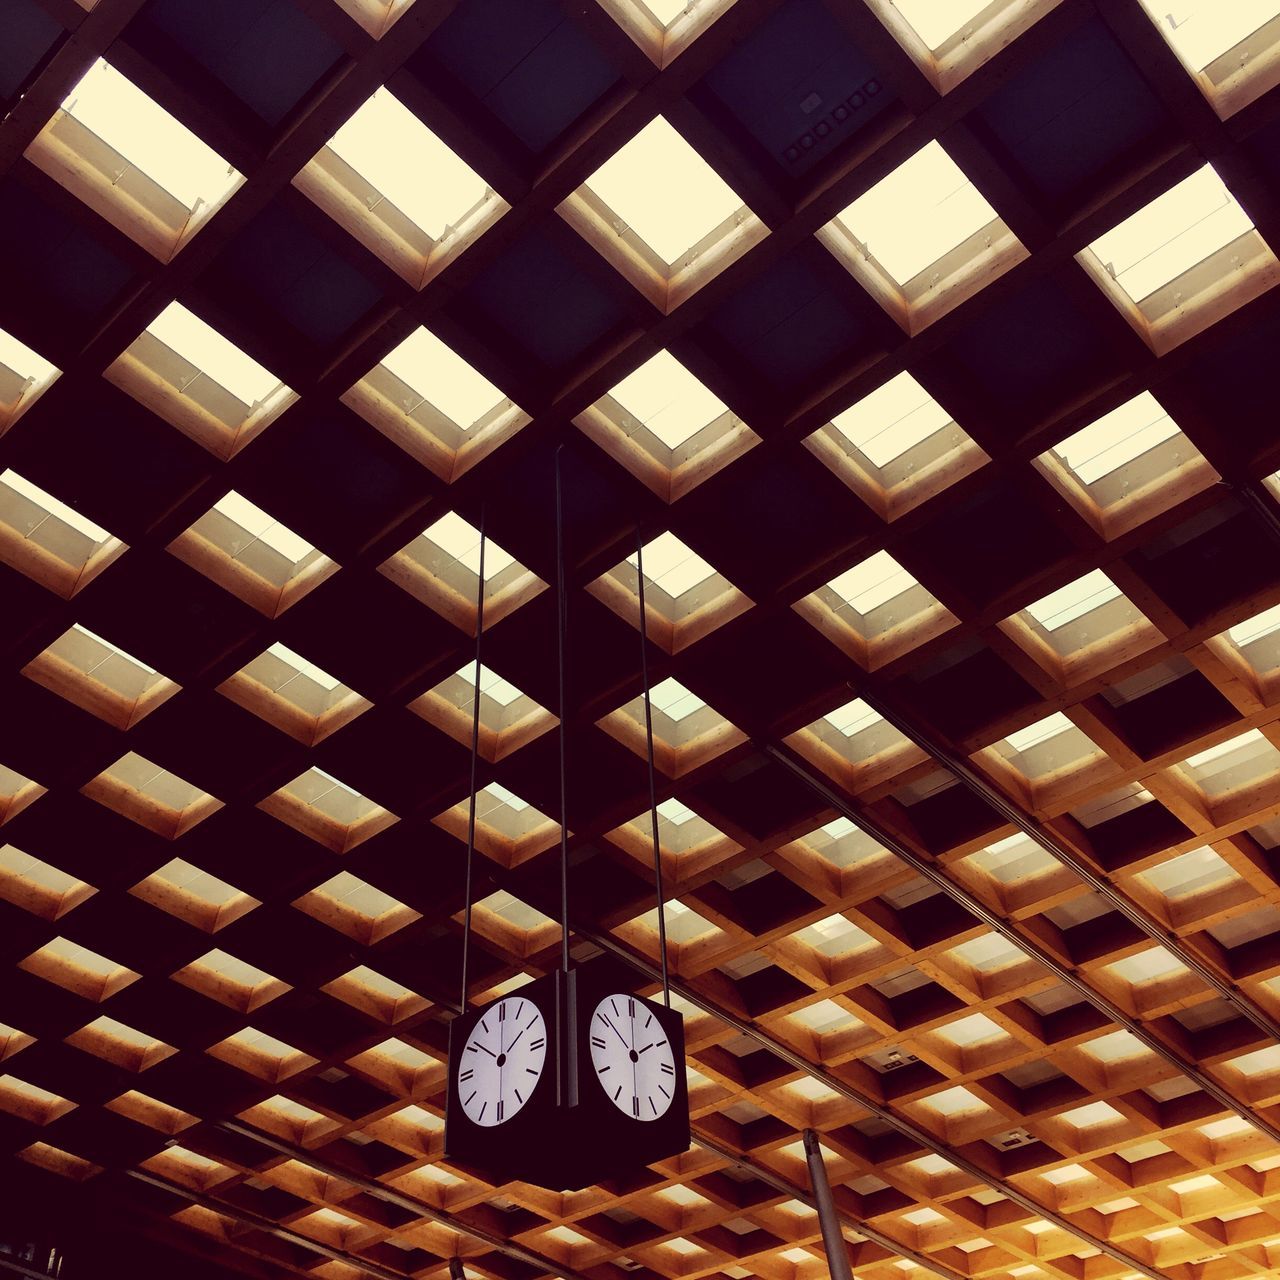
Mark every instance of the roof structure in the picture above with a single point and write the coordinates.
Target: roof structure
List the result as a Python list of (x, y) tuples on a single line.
[(929, 349)]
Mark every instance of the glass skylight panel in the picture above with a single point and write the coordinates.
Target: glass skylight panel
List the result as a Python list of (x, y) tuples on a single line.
[(1034, 734), (674, 700), (1175, 232), (1256, 628), (872, 583), (636, 183), (302, 668), (262, 527), (853, 717), (393, 151), (1117, 438), (894, 418), (20, 368), (188, 336), (918, 214), (667, 11), (1218, 754), (669, 564), (936, 21), (500, 793), (460, 540), (147, 136), (443, 379), (676, 812), (1201, 31), (492, 685), (1074, 600), (664, 396), (52, 508)]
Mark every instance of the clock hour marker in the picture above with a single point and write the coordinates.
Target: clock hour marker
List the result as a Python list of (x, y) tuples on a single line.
[(537, 1044), (635, 1106), (532, 1071), (517, 1093), (652, 1107), (665, 1094), (499, 1109), (667, 1069), (473, 1094), (467, 1074), (598, 1041), (502, 1013), (482, 1107), (617, 1091)]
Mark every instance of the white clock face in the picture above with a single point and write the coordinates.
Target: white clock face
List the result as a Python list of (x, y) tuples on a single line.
[(502, 1061), (632, 1057)]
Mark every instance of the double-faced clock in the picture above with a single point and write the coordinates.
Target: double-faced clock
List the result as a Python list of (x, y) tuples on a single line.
[(571, 1080)]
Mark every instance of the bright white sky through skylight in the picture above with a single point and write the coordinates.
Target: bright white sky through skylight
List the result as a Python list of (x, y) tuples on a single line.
[(303, 667), (637, 183), (453, 535), (675, 812), (1174, 233), (1041, 731), (919, 213), (491, 683), (667, 11), (1202, 30), (853, 717), (1242, 633), (935, 21), (146, 135), (669, 564), (872, 583), (674, 700), (443, 378), (59, 510), (892, 419), (1074, 600), (668, 399), (397, 155), (215, 357), (1116, 438), (263, 527), (23, 361)]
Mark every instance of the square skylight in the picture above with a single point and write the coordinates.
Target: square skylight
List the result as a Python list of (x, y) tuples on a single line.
[(895, 417), (149, 138), (1172, 234), (461, 542), (919, 213), (874, 582), (212, 356), (674, 700), (1117, 438), (1074, 600), (636, 183), (853, 717), (1201, 31), (405, 163), (436, 374), (671, 566), (664, 397), (255, 526), (44, 506)]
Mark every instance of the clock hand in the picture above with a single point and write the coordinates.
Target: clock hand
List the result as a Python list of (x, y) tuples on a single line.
[(490, 1052), (519, 1033), (648, 1046), (615, 1031)]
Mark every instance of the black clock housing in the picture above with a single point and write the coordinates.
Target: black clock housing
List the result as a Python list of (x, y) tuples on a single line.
[(568, 1134)]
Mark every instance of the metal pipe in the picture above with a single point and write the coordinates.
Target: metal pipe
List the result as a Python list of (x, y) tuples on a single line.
[(832, 1236)]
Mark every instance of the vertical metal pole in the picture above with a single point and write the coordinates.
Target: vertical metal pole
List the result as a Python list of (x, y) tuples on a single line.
[(828, 1219)]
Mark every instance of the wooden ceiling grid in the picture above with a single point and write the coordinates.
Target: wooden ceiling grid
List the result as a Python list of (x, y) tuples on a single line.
[(1057, 1071)]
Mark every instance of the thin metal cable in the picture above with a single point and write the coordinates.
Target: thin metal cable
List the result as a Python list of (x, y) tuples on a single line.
[(562, 627), (653, 786), (475, 753)]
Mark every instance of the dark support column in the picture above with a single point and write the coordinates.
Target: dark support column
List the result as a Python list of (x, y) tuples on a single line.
[(832, 1236)]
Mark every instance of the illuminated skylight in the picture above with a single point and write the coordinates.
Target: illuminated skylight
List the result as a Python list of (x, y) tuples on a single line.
[(936, 21), (52, 507), (872, 583), (147, 136), (443, 379), (667, 11), (188, 336), (492, 685), (18, 358), (454, 536), (675, 812), (393, 151), (496, 791), (674, 700), (1201, 30), (302, 668), (853, 717), (894, 418), (1074, 600), (1255, 628), (918, 214), (669, 564), (1174, 233), (111, 650), (1116, 438), (664, 396), (1252, 738), (263, 528), (636, 183), (1041, 731)]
